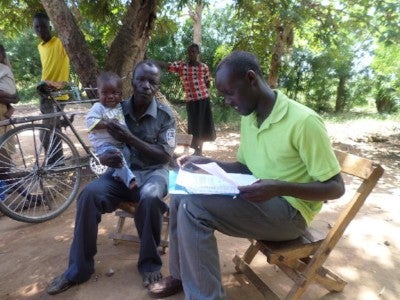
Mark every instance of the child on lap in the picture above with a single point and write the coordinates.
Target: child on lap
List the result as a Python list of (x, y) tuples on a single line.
[(109, 108)]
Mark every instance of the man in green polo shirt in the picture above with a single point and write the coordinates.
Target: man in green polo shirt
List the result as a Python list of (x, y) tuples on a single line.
[(286, 146)]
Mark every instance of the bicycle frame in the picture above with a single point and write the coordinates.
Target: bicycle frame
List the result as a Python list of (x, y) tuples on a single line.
[(37, 184)]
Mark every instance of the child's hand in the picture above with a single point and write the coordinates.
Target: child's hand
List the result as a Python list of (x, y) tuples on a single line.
[(111, 158)]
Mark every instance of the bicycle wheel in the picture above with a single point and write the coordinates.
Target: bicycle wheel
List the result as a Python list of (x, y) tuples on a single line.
[(32, 189)]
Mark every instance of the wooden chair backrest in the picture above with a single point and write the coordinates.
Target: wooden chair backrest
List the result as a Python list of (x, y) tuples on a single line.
[(370, 173)]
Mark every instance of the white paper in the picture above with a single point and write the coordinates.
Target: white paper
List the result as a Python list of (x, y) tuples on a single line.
[(214, 169), (217, 182)]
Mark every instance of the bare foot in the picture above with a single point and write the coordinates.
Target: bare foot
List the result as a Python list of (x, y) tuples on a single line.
[(151, 277)]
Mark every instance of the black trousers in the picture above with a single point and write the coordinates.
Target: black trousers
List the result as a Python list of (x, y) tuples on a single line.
[(53, 146)]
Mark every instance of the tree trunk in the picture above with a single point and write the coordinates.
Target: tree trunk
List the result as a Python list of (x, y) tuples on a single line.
[(74, 42), (284, 40), (126, 50), (196, 15), (341, 95), (129, 46)]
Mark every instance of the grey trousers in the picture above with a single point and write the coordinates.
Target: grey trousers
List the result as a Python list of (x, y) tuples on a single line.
[(193, 255)]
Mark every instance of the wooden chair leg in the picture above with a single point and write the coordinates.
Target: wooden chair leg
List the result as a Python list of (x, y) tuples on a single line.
[(120, 225), (322, 276), (118, 235), (242, 267), (326, 278), (250, 253), (330, 280), (164, 241)]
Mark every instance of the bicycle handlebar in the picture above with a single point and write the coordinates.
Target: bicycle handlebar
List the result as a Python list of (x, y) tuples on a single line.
[(68, 88)]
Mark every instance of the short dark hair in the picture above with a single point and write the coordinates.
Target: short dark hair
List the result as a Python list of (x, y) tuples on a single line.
[(239, 62), (41, 15), (195, 46), (108, 76), (148, 62)]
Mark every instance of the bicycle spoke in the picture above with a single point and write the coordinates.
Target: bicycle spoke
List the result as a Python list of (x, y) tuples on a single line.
[(37, 184)]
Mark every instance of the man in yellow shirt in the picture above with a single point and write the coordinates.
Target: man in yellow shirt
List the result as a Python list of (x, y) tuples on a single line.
[(55, 69)]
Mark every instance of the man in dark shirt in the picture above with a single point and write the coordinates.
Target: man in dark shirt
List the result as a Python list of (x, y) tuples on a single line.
[(151, 138)]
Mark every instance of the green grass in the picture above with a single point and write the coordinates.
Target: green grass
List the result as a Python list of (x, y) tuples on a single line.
[(226, 117), (360, 115)]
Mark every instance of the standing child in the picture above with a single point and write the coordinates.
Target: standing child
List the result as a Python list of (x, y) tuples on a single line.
[(108, 110)]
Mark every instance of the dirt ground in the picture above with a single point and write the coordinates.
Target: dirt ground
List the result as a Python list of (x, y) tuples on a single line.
[(367, 257)]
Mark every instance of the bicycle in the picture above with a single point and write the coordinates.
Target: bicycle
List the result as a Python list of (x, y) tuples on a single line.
[(36, 184)]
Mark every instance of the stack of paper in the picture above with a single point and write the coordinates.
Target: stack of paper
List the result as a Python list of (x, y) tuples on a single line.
[(216, 181)]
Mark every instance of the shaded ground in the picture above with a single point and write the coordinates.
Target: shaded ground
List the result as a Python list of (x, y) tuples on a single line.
[(368, 256)]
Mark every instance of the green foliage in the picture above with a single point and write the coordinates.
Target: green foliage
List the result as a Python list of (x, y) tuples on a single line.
[(387, 99), (330, 45), (386, 15), (221, 51), (16, 16), (223, 114), (171, 43), (308, 78), (163, 46), (98, 19), (95, 37), (386, 66), (24, 58)]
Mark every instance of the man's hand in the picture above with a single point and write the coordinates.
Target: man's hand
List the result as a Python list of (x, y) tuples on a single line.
[(119, 132), (259, 191), (188, 159), (56, 85), (111, 158)]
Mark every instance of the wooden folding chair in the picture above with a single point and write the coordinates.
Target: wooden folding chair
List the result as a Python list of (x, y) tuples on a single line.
[(127, 209), (302, 259)]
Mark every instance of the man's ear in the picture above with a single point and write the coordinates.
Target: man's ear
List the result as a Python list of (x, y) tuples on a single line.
[(251, 76)]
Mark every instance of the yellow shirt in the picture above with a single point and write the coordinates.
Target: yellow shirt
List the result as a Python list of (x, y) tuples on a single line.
[(55, 62)]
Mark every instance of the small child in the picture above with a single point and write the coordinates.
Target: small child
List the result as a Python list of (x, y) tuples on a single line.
[(109, 86), (7, 81)]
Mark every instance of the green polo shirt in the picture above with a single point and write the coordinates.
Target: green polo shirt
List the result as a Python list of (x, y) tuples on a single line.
[(291, 145)]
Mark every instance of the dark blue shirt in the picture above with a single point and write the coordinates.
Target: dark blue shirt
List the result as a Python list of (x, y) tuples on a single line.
[(155, 126)]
